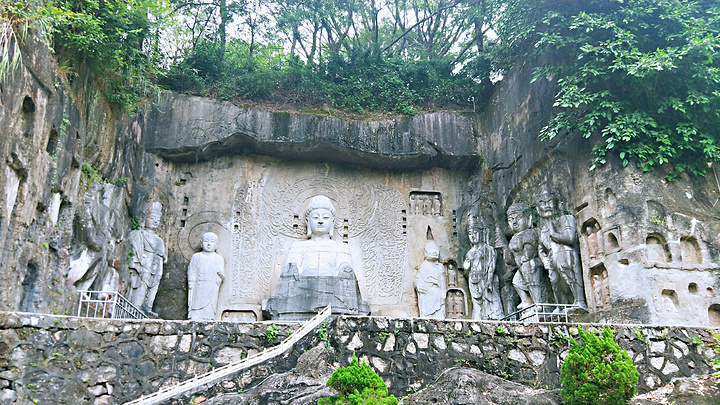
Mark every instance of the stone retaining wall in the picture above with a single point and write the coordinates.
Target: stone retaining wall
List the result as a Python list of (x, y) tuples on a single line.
[(67, 360), (411, 353)]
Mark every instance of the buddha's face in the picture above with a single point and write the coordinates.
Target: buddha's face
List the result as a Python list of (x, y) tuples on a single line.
[(209, 243), (517, 221), (320, 221)]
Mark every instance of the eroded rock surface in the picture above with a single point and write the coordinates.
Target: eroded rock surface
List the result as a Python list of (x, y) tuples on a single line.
[(300, 386), (192, 129), (683, 391), (469, 386)]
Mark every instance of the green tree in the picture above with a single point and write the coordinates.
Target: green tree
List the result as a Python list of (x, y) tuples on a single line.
[(597, 371), (642, 77), (358, 384)]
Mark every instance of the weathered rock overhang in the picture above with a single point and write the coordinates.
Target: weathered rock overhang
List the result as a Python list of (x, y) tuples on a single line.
[(79, 360), (191, 129)]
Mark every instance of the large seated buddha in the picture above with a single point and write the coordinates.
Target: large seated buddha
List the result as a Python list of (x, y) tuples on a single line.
[(317, 271)]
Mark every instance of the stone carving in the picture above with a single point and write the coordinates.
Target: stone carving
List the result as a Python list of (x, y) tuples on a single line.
[(529, 280), (436, 206), (559, 251), (455, 304), (205, 274), (430, 284), (592, 230), (480, 262), (96, 226), (267, 219), (425, 203), (452, 275), (318, 271), (599, 282), (146, 260)]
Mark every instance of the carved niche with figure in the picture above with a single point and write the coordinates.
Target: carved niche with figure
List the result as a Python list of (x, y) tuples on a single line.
[(268, 218)]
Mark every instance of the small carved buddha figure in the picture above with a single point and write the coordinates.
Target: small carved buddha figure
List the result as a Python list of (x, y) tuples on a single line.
[(318, 271)]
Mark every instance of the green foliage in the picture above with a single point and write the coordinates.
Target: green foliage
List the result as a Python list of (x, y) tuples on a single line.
[(110, 36), (358, 384), (270, 334), (359, 82), (715, 345), (323, 334), (597, 371), (642, 76), (90, 174), (16, 19)]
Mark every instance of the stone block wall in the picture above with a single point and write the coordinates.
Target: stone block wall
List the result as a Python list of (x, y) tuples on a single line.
[(67, 360), (411, 353)]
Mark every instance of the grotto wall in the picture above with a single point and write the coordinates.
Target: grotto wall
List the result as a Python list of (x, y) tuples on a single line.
[(649, 247), (73, 174)]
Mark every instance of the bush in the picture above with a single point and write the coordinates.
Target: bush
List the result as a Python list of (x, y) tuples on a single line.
[(597, 371), (358, 384)]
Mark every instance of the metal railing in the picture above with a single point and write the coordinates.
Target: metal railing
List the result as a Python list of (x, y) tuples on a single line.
[(542, 313), (107, 304), (218, 374)]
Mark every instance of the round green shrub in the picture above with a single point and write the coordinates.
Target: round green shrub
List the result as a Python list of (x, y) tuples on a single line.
[(358, 384), (597, 371)]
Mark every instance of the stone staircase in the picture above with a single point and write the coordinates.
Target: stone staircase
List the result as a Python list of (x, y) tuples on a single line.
[(198, 382)]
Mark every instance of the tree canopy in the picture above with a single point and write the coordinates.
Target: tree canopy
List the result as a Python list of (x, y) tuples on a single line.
[(639, 76)]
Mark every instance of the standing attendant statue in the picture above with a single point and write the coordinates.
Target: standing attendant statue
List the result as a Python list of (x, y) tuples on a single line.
[(559, 251), (146, 261), (481, 261), (205, 274), (430, 284), (529, 280)]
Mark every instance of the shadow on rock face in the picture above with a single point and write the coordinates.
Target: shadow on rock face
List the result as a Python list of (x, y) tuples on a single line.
[(470, 386), (301, 386)]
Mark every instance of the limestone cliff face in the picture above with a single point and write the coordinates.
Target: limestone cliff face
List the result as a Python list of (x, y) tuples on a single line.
[(56, 137), (650, 248), (190, 129)]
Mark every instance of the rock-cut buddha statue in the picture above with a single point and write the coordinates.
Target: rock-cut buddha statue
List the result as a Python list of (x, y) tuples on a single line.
[(317, 271)]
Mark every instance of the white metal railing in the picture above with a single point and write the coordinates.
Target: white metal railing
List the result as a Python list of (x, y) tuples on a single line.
[(542, 313), (107, 304), (219, 373)]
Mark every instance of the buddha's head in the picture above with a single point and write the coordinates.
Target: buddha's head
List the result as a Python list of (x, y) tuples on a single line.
[(209, 242), (320, 216)]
